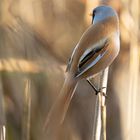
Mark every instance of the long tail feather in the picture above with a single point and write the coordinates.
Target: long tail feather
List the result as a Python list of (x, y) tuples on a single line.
[(59, 109)]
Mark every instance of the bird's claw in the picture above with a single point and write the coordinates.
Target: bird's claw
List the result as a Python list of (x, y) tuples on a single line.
[(100, 91), (97, 90)]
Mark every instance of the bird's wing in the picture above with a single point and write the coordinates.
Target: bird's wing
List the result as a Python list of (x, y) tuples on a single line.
[(92, 56), (70, 60), (68, 65), (88, 38)]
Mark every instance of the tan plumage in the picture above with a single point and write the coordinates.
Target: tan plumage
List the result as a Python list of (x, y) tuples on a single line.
[(95, 51), (107, 33)]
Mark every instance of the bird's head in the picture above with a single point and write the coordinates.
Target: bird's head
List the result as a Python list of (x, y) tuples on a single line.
[(101, 13)]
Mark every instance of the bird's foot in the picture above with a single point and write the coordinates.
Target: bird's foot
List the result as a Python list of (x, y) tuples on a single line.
[(97, 90), (100, 91)]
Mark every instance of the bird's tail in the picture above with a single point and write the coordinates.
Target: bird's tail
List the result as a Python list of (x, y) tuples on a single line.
[(59, 109)]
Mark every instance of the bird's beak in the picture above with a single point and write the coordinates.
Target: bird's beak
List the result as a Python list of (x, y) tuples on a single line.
[(90, 14)]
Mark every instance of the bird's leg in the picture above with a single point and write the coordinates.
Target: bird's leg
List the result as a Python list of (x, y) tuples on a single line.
[(93, 86), (95, 89)]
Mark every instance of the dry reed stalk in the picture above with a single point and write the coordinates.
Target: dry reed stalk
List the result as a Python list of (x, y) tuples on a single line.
[(27, 112), (3, 132), (2, 114), (97, 119), (99, 129), (103, 83), (134, 67)]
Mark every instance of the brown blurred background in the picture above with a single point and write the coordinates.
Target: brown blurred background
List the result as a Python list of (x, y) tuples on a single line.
[(36, 40)]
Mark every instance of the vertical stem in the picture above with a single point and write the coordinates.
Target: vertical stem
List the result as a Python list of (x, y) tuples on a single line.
[(3, 132), (2, 114), (103, 83), (99, 129), (27, 112), (97, 119), (134, 68)]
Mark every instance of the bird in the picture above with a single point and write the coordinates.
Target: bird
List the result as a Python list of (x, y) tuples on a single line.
[(96, 50)]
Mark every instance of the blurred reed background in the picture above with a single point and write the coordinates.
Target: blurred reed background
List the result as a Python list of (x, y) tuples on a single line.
[(36, 40)]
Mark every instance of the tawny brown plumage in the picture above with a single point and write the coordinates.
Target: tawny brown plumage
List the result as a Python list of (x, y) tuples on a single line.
[(107, 29), (95, 51)]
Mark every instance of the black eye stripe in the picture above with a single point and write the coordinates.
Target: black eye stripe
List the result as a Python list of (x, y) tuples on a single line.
[(93, 14), (94, 11)]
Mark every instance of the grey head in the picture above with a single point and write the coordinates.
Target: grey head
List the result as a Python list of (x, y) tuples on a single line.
[(101, 13)]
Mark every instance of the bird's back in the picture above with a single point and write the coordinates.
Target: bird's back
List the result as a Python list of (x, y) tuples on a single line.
[(92, 37)]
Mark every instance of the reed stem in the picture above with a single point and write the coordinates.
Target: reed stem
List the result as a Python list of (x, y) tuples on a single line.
[(99, 129), (27, 112)]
